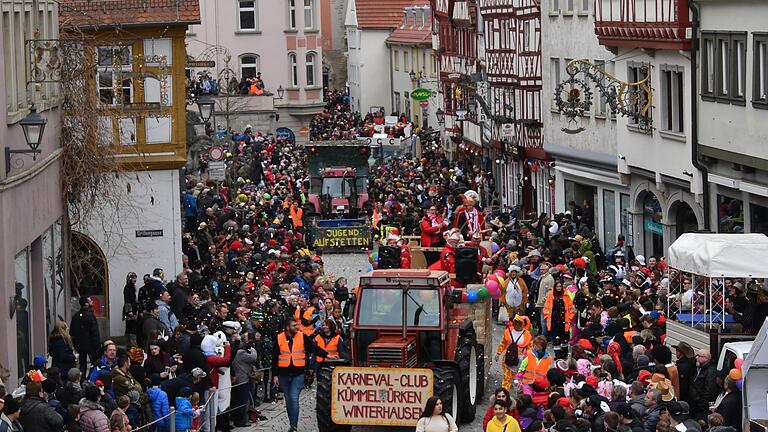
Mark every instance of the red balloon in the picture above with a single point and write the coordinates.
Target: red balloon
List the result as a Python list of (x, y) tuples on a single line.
[(463, 296), (737, 364), (500, 273)]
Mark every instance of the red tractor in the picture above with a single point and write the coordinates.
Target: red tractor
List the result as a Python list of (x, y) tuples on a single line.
[(338, 193), (407, 342)]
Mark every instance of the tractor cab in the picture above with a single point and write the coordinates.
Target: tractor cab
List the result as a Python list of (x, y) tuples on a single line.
[(337, 192), (400, 315)]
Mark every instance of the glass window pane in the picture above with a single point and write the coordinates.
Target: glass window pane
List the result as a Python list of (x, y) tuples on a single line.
[(730, 215), (624, 203), (759, 219), (247, 20), (21, 303), (609, 218)]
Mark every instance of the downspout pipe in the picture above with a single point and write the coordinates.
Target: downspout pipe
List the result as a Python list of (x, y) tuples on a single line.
[(695, 113)]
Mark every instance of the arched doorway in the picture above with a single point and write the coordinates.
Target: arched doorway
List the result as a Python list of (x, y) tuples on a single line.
[(89, 275), (327, 75), (653, 230), (685, 218)]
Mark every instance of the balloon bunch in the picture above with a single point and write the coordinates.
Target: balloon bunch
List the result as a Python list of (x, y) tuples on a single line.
[(373, 258), (736, 373), (495, 283)]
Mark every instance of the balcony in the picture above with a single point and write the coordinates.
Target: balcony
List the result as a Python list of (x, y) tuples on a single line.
[(653, 24)]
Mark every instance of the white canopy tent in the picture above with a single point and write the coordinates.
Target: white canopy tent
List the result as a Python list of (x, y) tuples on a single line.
[(721, 255)]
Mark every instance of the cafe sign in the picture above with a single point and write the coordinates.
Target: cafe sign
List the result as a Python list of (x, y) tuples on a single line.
[(379, 396), (358, 237), (421, 94)]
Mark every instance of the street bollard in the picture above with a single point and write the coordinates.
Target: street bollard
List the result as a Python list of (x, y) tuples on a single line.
[(173, 419)]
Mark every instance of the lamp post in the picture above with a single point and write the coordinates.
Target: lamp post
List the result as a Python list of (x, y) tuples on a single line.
[(205, 106), (33, 126), (280, 92), (440, 114)]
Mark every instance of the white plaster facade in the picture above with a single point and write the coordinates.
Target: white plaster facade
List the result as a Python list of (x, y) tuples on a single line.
[(367, 72), (732, 128), (152, 203), (585, 162)]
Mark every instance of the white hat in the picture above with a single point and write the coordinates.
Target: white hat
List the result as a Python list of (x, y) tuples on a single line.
[(568, 212), (553, 228), (583, 280), (626, 282), (514, 268), (234, 325), (640, 259), (472, 195), (619, 254)]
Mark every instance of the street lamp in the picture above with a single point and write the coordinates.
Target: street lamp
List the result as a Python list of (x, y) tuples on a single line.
[(33, 126), (205, 105), (280, 92), (412, 74), (440, 114)]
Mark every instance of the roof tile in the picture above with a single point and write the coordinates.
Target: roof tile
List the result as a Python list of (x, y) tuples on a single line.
[(112, 13), (383, 14)]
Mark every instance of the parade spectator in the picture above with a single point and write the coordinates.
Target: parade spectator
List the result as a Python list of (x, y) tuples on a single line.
[(61, 348), (433, 419), (85, 333), (36, 414), (501, 421), (704, 388), (9, 418)]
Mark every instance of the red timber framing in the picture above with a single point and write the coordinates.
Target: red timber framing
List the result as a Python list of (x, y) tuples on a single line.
[(513, 55), (455, 24), (653, 24)]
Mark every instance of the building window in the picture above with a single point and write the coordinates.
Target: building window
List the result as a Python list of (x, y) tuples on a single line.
[(760, 74), (569, 6), (672, 100), (723, 67), (609, 216), (405, 61), (398, 103), (310, 64), (637, 72), (292, 14), (707, 66), (730, 215), (247, 15), (396, 58), (555, 6), (586, 6), (249, 65), (294, 70), (759, 219), (433, 66), (626, 219), (112, 62), (554, 71), (309, 15)]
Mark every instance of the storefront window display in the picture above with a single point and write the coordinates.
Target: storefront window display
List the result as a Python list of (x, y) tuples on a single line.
[(652, 228), (759, 219), (730, 215), (609, 218)]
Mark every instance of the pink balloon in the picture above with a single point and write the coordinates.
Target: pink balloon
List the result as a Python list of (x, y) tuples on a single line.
[(493, 285), (494, 294), (737, 364), (500, 273)]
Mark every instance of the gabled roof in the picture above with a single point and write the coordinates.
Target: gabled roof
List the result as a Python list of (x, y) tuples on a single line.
[(116, 13), (383, 14), (416, 27)]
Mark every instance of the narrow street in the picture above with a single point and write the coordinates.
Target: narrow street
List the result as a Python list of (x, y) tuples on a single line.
[(352, 266)]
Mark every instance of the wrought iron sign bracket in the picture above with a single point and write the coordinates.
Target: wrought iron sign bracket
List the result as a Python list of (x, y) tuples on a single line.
[(573, 96)]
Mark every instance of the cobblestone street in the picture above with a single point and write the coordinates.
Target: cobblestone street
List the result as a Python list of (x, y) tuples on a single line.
[(352, 266)]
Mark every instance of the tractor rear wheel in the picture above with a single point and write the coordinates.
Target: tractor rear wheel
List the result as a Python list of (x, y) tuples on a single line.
[(466, 358), (323, 402), (446, 388), (480, 371)]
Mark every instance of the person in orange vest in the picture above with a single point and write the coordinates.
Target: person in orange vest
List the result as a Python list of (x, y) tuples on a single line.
[(517, 333), (306, 314), (289, 363), (329, 340), (297, 215), (558, 312), (536, 363)]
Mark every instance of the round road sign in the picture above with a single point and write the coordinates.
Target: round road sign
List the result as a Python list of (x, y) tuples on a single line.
[(216, 154)]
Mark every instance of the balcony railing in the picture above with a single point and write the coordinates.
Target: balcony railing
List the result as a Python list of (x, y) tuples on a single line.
[(657, 24)]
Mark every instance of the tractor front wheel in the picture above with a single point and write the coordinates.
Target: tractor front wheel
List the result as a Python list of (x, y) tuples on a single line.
[(446, 388), (323, 402), (466, 358)]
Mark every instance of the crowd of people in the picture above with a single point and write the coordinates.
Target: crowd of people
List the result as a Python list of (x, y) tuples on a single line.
[(339, 122), (254, 313)]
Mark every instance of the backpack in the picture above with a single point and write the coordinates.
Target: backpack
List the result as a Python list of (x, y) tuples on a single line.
[(512, 357)]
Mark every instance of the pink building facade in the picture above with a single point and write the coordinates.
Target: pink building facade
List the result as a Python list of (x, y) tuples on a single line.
[(31, 265), (284, 40)]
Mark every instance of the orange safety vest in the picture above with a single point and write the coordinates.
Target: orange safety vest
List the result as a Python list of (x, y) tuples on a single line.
[(629, 334), (296, 216), (291, 355), (308, 329), (332, 347), (536, 368)]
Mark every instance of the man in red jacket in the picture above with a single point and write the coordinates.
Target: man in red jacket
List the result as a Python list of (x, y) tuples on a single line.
[(469, 219), (432, 226)]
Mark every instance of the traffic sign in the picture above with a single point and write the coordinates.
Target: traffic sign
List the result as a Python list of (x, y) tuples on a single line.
[(215, 154), (424, 103), (217, 170)]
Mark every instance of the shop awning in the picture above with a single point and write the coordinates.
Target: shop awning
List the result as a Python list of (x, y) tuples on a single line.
[(721, 255)]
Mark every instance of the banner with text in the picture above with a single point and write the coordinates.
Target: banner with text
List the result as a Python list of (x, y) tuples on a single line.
[(358, 237), (379, 396)]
